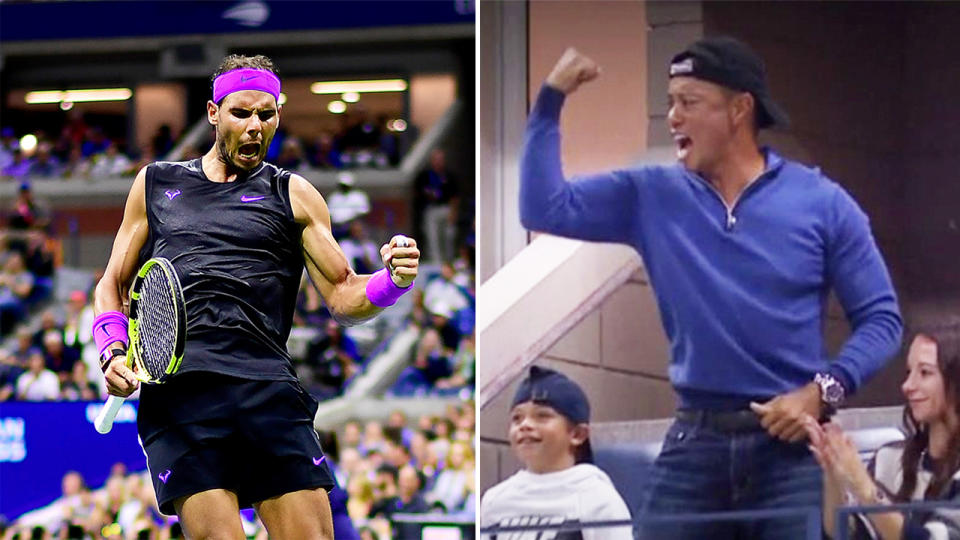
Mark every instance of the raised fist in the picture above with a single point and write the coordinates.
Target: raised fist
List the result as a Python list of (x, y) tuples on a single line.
[(572, 70)]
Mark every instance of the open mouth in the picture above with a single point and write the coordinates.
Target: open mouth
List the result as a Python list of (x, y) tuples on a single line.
[(249, 151), (683, 144)]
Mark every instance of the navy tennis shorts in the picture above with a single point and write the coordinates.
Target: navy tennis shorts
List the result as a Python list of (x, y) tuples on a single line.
[(204, 431)]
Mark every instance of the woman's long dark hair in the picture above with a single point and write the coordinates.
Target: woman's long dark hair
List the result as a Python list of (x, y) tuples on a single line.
[(946, 335)]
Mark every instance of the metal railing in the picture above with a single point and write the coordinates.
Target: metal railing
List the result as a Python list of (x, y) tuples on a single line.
[(811, 515)]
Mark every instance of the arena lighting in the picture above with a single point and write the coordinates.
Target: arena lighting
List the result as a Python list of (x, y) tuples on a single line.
[(337, 107), (339, 87), (283, 99), (76, 96), (28, 143), (350, 97), (397, 125)]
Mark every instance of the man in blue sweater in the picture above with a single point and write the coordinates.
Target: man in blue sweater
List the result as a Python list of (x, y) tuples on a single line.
[(742, 248)]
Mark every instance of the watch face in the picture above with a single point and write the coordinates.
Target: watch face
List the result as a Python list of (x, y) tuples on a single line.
[(833, 392)]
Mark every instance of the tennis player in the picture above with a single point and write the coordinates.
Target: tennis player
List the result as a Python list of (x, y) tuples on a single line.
[(233, 428)]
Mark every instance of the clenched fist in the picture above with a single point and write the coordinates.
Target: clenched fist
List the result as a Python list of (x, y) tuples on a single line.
[(572, 70), (402, 258)]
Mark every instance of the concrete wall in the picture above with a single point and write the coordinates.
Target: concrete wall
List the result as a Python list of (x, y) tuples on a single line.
[(604, 125)]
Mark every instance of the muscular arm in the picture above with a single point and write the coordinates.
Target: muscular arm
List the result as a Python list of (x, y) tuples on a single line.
[(862, 283), (600, 207), (343, 289), (113, 287)]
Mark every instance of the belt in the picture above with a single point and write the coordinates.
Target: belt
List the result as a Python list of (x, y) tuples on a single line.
[(725, 421)]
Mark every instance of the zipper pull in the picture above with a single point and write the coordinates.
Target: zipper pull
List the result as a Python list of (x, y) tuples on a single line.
[(731, 221)]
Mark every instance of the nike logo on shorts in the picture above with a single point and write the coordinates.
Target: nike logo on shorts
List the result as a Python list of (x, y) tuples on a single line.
[(319, 461), (248, 198)]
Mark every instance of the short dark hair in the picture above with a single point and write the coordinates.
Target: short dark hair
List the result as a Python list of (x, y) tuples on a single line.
[(386, 468), (239, 61)]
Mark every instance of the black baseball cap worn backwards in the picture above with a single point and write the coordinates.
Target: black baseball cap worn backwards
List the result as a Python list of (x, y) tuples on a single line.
[(729, 62), (554, 389)]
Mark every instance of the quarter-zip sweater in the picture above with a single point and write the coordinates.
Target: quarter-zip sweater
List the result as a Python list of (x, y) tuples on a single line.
[(741, 290)]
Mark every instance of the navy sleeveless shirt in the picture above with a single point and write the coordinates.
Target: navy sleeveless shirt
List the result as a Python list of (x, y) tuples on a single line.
[(238, 253)]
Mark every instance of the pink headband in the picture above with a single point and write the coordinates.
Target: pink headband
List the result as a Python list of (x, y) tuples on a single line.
[(245, 79)]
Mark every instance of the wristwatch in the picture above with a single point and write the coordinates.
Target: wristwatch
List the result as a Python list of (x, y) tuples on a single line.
[(831, 392)]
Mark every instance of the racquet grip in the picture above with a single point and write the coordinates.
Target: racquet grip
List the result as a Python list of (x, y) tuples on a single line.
[(104, 421)]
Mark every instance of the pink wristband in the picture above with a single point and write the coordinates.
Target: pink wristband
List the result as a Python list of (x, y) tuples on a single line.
[(108, 328), (381, 290)]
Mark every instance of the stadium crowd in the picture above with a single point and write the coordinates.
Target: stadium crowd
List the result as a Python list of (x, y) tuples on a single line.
[(83, 150), (383, 468)]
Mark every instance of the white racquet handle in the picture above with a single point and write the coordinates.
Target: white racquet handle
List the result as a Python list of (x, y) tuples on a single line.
[(104, 421)]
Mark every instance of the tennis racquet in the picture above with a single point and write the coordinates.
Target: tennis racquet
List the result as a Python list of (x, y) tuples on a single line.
[(158, 330)]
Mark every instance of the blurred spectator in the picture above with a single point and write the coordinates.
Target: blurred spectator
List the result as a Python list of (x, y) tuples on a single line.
[(27, 211), (397, 454), (463, 365), (398, 421), (389, 142), (110, 163), (45, 165), (450, 488), (114, 497), (18, 168), (94, 142), (291, 155), (74, 132), (411, 499), (363, 253), (362, 134), (442, 289), (139, 512), (79, 386), (22, 346), (332, 360), (78, 325), (10, 370), (8, 143), (16, 283), (76, 166), (351, 434), (325, 154), (372, 437), (435, 204), (40, 257), (58, 358), (38, 383), (48, 322), (147, 156), (360, 503), (346, 204), (418, 313), (162, 142), (384, 491)]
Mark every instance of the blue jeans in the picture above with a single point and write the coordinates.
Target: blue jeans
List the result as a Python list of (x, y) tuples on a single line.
[(700, 470)]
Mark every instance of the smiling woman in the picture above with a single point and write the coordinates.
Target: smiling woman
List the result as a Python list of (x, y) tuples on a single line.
[(925, 466)]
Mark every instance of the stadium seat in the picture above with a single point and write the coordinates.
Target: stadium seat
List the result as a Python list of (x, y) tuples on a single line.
[(628, 466)]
